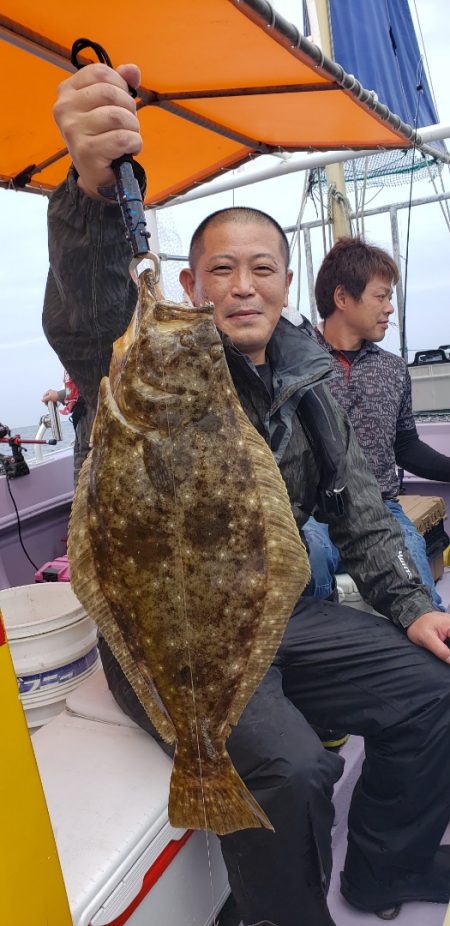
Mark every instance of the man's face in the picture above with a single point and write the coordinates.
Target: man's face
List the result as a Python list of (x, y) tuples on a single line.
[(241, 269), (368, 317)]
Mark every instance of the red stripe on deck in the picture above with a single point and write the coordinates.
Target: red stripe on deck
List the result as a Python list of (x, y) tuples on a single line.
[(152, 876)]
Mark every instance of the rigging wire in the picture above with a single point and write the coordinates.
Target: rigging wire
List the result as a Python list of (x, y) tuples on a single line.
[(377, 192), (429, 78), (322, 218), (363, 195), (419, 88), (304, 197), (429, 75), (357, 207), (296, 238), (445, 208), (398, 73)]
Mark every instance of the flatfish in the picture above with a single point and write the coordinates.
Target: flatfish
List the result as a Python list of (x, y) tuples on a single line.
[(183, 548)]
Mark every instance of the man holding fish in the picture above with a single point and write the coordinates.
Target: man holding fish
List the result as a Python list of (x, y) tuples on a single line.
[(384, 679)]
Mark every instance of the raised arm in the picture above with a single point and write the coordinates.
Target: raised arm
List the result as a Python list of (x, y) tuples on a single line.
[(89, 296)]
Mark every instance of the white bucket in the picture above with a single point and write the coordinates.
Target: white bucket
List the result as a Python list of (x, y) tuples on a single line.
[(53, 645)]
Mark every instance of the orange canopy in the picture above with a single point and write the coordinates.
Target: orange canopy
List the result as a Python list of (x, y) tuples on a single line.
[(223, 81)]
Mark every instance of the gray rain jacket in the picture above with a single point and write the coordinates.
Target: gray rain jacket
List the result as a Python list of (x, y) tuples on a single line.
[(89, 301)]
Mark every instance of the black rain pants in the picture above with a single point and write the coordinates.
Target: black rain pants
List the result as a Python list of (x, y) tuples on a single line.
[(336, 668)]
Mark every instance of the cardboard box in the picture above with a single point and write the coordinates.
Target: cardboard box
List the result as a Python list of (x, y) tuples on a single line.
[(425, 511)]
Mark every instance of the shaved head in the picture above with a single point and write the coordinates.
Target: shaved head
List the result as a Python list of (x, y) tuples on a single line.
[(241, 215)]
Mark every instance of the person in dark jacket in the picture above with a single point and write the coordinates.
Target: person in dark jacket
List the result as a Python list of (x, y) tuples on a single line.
[(353, 293), (81, 418), (384, 679)]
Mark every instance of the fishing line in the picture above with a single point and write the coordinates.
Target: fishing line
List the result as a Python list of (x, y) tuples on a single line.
[(114, 390), (183, 592), (189, 654)]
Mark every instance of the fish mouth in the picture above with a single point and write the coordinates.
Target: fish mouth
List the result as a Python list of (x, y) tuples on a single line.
[(147, 391)]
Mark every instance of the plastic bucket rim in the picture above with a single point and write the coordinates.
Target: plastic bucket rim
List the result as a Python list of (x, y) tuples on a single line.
[(27, 596), (40, 631)]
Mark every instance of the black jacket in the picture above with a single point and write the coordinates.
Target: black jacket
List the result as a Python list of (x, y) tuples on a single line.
[(89, 301)]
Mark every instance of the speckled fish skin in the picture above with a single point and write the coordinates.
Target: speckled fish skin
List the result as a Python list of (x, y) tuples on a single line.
[(184, 549)]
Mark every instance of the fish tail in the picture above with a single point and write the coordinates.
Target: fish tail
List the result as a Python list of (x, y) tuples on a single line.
[(219, 802)]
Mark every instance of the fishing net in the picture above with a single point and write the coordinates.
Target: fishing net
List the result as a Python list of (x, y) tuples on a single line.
[(394, 168), (171, 251)]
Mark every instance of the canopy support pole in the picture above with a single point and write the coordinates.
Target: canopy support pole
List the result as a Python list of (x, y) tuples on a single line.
[(337, 196), (399, 287)]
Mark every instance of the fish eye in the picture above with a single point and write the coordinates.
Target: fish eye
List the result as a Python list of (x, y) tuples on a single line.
[(187, 340)]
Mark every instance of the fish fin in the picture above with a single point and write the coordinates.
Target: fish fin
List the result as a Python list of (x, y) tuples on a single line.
[(220, 803), (288, 569), (87, 589)]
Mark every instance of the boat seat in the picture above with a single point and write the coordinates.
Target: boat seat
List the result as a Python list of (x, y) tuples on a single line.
[(94, 701)]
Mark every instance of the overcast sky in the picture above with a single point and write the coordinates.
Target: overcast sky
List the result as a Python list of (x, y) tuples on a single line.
[(27, 364)]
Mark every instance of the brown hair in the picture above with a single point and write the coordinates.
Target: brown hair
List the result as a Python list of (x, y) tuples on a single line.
[(351, 263), (240, 214)]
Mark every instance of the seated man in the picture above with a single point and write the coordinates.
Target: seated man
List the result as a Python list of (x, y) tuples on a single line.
[(387, 680), (353, 295)]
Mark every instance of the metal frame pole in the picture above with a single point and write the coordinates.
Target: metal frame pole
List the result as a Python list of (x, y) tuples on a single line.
[(395, 236), (310, 275)]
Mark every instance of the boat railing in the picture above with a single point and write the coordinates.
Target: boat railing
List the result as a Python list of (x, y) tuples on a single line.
[(47, 421)]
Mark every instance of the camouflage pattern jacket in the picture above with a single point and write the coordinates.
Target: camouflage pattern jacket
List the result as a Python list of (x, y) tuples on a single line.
[(89, 301)]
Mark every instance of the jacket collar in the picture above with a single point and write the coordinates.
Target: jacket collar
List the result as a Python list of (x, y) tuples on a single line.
[(296, 358), (368, 347)]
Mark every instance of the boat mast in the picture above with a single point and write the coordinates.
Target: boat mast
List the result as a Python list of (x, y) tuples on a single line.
[(319, 19)]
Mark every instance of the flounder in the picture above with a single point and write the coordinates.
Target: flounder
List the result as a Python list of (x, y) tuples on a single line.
[(184, 550)]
